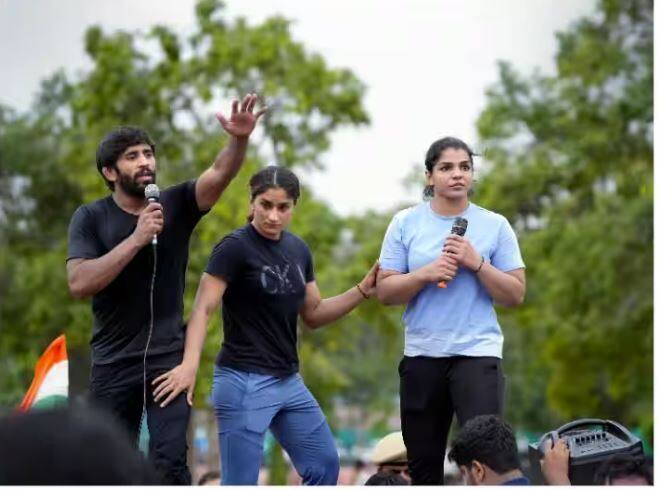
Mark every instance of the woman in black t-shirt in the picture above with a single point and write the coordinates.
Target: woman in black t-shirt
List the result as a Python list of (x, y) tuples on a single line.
[(264, 277)]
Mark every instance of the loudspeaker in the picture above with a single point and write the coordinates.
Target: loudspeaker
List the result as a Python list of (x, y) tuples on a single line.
[(591, 442)]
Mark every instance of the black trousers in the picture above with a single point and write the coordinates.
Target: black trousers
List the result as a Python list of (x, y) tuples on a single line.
[(431, 391), (118, 390)]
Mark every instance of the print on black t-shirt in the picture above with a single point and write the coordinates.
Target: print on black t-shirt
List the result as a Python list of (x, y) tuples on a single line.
[(275, 280)]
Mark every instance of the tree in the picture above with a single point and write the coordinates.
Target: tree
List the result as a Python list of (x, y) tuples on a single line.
[(570, 162)]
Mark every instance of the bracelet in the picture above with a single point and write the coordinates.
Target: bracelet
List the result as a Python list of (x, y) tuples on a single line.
[(363, 293), (480, 266)]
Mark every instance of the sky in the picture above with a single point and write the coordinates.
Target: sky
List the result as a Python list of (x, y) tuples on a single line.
[(426, 65)]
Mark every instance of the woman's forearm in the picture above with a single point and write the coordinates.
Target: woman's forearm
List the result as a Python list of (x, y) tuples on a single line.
[(399, 289), (331, 309), (195, 337), (505, 288)]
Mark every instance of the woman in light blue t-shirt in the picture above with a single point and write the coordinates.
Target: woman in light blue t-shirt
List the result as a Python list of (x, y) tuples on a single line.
[(453, 341)]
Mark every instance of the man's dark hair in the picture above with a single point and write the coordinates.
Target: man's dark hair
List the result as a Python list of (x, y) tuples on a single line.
[(208, 476), (69, 447), (620, 466), (488, 440), (386, 478), (115, 143)]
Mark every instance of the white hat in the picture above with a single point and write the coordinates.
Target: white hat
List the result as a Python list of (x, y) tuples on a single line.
[(390, 449)]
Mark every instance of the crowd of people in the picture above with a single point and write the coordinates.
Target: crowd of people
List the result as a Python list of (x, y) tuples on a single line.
[(80, 446), (447, 259)]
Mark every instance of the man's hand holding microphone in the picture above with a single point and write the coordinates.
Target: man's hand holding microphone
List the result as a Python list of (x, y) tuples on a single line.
[(151, 220)]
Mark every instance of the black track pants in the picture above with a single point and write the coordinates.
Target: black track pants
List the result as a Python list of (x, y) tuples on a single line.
[(431, 391)]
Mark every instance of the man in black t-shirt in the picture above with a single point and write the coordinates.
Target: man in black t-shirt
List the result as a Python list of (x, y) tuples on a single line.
[(137, 289)]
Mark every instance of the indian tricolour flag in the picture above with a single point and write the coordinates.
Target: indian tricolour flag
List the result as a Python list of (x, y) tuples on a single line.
[(50, 386)]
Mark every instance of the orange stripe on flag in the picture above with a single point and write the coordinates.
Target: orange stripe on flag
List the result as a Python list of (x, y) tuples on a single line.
[(56, 352)]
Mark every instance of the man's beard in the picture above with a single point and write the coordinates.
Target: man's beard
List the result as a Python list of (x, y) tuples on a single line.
[(132, 187)]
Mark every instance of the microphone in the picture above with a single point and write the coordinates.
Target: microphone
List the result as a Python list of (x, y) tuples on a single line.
[(152, 194), (459, 228)]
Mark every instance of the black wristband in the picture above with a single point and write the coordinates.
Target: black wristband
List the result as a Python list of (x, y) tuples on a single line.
[(480, 266), (360, 290)]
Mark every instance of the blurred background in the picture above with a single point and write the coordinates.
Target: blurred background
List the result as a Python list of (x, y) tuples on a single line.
[(556, 96)]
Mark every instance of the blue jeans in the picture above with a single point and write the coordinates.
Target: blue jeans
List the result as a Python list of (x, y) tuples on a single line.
[(248, 404)]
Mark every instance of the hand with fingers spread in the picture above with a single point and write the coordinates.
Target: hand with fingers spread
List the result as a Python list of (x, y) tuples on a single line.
[(462, 251), (367, 285), (555, 464), (149, 223), (242, 121), (175, 381)]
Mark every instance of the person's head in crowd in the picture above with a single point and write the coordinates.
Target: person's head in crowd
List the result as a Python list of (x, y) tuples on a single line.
[(209, 478), (624, 470), (68, 447), (390, 455), (386, 478), (485, 450)]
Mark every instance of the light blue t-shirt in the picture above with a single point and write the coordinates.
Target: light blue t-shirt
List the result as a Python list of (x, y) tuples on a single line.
[(459, 320)]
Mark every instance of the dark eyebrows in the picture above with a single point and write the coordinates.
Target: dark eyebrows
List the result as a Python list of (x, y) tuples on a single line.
[(266, 202), (132, 153)]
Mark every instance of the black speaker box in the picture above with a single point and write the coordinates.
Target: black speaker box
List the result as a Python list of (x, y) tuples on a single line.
[(591, 442)]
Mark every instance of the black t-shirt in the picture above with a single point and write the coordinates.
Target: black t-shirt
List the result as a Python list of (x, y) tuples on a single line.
[(266, 283), (121, 310)]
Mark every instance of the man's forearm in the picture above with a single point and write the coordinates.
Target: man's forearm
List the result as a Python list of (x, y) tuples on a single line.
[(229, 160), (91, 276), (215, 179)]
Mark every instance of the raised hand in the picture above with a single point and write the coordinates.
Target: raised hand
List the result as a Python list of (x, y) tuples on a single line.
[(242, 121)]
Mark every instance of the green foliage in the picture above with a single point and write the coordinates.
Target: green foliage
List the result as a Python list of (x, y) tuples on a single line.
[(570, 162), (277, 465)]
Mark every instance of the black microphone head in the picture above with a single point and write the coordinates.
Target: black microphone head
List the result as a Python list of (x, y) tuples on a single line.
[(459, 226), (152, 193)]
